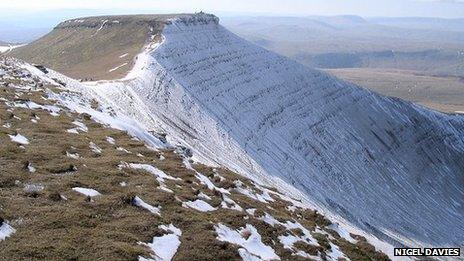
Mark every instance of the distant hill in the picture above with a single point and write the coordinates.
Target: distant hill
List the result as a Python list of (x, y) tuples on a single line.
[(351, 41), (426, 23), (366, 50), (21, 35)]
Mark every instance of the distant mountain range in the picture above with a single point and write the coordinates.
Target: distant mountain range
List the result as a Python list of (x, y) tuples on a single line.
[(430, 45)]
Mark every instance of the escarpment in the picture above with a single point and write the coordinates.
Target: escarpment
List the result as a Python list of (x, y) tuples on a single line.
[(96, 48), (392, 168)]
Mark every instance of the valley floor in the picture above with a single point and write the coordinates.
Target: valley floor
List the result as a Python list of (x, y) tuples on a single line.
[(444, 94)]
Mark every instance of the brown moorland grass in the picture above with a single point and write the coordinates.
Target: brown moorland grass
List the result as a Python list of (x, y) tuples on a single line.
[(92, 48)]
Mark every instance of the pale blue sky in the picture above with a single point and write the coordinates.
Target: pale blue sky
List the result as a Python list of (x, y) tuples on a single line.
[(428, 8)]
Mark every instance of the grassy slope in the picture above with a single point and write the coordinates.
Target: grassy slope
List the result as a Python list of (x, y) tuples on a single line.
[(86, 50), (57, 223), (440, 93)]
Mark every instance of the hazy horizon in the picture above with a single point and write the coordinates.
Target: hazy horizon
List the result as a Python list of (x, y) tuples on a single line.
[(25, 26), (364, 8)]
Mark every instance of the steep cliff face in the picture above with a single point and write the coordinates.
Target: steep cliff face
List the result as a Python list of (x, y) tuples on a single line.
[(390, 167)]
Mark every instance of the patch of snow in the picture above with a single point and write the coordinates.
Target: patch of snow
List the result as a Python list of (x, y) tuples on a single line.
[(77, 103), (73, 131), (101, 27), (72, 155), (228, 201), (140, 203), (264, 197), (310, 257), (9, 48), (117, 67), (6, 231), (306, 237), (164, 247), (81, 126), (206, 181), (199, 205), (171, 228), (252, 244), (159, 174), (251, 211), (95, 148), (31, 188), (221, 178), (18, 138), (291, 208), (335, 253), (342, 232), (164, 188), (110, 140), (123, 55), (288, 241), (123, 150), (4, 49), (54, 110), (204, 196), (87, 191), (31, 168), (247, 256), (270, 219)]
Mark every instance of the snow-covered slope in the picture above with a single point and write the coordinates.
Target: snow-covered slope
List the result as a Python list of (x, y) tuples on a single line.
[(8, 48), (390, 167), (78, 180)]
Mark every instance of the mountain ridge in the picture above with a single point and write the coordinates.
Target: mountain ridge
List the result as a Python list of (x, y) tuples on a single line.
[(348, 149)]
